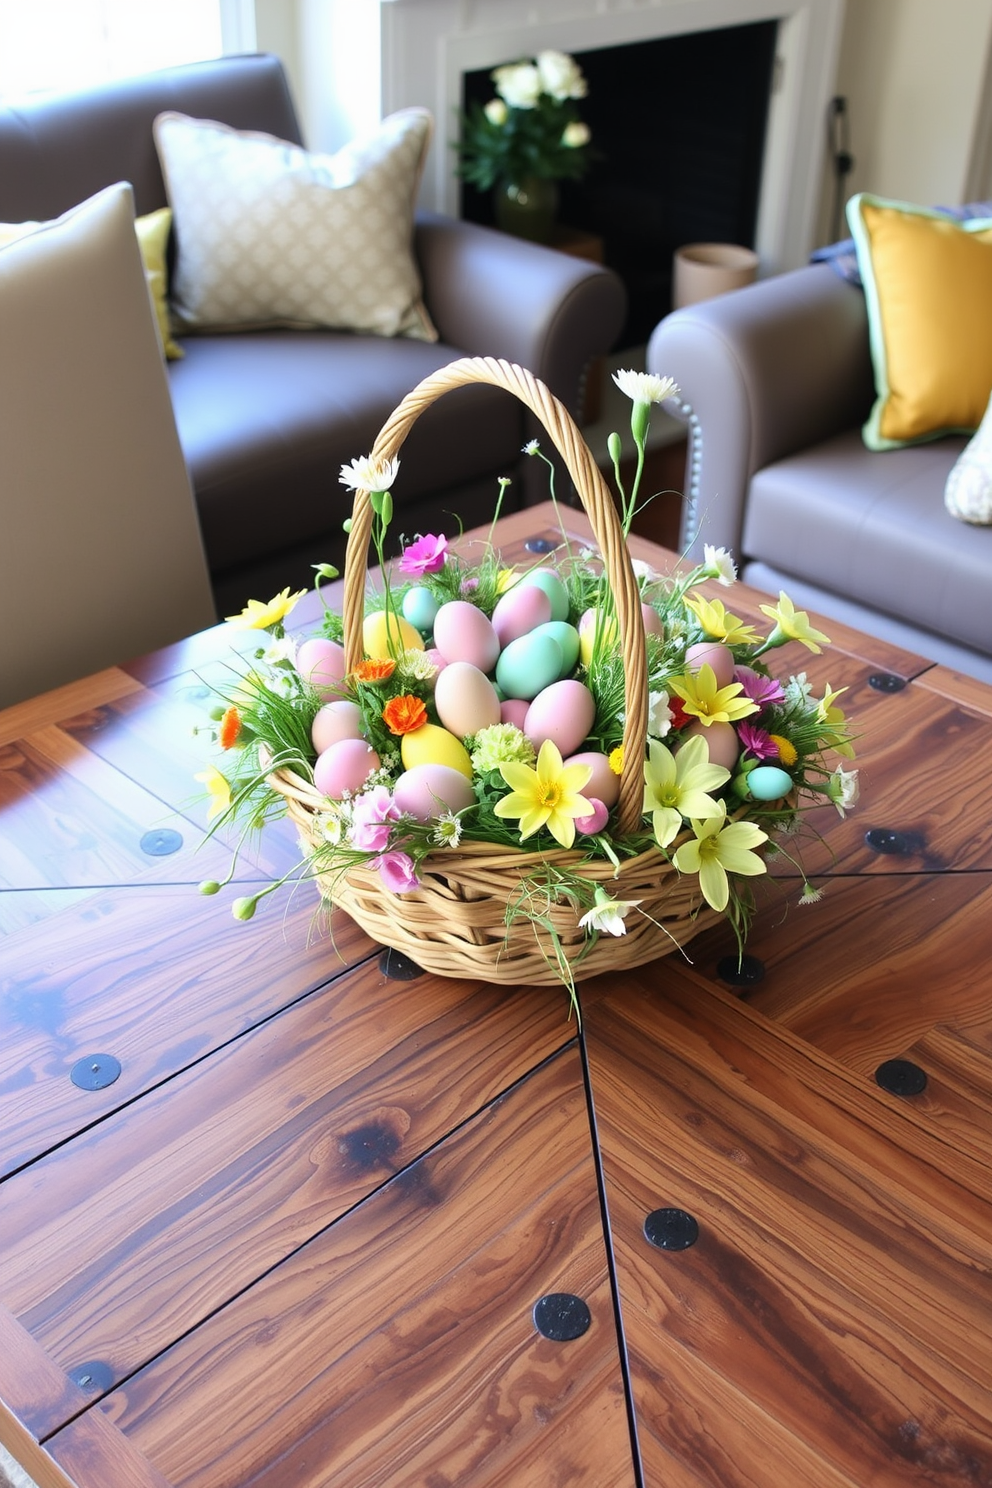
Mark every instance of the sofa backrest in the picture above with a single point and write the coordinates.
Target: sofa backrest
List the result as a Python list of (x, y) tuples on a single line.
[(57, 150)]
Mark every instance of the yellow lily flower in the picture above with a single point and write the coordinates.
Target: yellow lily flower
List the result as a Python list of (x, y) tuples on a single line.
[(792, 625), (836, 722), (713, 617), (547, 796), (720, 847), (217, 789), (259, 616), (709, 703), (676, 786)]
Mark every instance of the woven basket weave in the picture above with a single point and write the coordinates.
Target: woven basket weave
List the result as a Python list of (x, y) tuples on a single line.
[(455, 923)]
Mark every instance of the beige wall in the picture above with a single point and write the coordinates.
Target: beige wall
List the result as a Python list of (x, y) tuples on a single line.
[(915, 73)]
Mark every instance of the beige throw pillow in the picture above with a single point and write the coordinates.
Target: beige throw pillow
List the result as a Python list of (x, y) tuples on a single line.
[(270, 234)]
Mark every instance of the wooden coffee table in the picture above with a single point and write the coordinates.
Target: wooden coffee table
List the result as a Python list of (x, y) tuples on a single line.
[(274, 1212)]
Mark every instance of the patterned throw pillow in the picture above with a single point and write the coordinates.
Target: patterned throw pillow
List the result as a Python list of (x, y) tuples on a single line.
[(270, 234)]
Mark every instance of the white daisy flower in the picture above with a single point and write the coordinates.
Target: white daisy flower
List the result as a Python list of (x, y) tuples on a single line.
[(366, 474), (645, 387)]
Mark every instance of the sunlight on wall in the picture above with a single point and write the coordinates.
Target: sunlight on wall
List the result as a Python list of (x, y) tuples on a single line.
[(64, 44)]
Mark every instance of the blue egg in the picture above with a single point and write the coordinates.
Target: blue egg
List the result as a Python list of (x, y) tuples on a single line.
[(768, 783), (568, 639), (527, 665), (554, 588), (419, 608)]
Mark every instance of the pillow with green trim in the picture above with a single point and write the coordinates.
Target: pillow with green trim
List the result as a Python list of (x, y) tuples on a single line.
[(153, 240), (928, 293)]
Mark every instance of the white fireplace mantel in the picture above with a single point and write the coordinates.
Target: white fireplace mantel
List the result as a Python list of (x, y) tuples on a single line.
[(374, 56)]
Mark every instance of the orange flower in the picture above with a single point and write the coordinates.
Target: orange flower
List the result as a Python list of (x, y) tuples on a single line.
[(402, 715), (230, 728), (374, 671)]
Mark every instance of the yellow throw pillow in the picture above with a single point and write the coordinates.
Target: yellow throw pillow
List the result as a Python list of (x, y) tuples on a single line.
[(270, 234), (153, 240), (928, 292)]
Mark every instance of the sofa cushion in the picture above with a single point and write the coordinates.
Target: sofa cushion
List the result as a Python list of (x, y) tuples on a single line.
[(273, 410), (928, 292), (269, 234), (874, 529)]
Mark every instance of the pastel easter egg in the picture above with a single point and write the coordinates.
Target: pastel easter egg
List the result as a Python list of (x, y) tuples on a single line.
[(435, 658), (712, 654), (768, 783), (553, 586), (652, 621), (433, 745), (321, 663), (568, 639), (528, 665), (345, 766), (465, 699), (388, 636), (463, 633), (420, 607), (427, 790), (603, 784), (334, 721), (596, 627), (724, 745), (563, 713), (514, 710), (519, 611)]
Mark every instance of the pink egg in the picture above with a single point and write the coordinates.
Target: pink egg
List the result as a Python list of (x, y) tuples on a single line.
[(435, 658), (652, 621), (712, 654), (603, 784), (722, 740), (563, 713), (520, 611), (463, 633), (321, 663), (334, 721), (465, 699), (427, 790), (514, 710), (345, 766)]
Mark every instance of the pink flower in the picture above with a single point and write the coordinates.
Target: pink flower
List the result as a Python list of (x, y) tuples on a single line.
[(425, 556), (396, 872), (372, 820), (757, 742), (596, 820), (761, 690)]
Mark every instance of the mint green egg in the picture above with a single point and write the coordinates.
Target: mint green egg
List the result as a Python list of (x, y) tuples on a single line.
[(554, 588), (419, 608), (568, 639), (527, 665), (768, 783)]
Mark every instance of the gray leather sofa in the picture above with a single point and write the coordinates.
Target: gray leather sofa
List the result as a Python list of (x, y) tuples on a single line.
[(267, 418), (776, 381)]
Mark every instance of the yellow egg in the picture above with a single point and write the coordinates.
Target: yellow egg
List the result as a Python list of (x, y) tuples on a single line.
[(609, 633), (387, 636), (432, 745)]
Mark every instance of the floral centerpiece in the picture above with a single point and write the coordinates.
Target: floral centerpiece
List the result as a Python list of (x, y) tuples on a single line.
[(526, 138), (535, 774)]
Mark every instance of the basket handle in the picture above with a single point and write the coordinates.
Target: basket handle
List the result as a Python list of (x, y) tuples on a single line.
[(599, 508)]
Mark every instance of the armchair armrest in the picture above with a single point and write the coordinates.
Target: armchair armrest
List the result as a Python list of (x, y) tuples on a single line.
[(763, 372), (494, 295)]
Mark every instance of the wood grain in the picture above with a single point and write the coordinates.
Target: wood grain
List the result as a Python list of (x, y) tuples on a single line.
[(139, 1228), (824, 1327), (399, 1347)]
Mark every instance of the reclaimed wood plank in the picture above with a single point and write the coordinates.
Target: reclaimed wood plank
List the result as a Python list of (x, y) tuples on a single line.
[(966, 692), (817, 1298), (137, 1229), (399, 1345), (154, 974), (870, 969), (64, 702)]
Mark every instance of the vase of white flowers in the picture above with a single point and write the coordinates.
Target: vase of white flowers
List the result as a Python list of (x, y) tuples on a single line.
[(526, 139)]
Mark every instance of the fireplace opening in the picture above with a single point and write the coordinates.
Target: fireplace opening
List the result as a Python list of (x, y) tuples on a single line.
[(679, 126)]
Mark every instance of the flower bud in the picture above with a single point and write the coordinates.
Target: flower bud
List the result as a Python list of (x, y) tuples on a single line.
[(496, 112), (615, 447), (244, 909), (209, 886)]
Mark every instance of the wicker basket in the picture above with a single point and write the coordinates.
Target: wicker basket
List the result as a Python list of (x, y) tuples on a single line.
[(455, 923)]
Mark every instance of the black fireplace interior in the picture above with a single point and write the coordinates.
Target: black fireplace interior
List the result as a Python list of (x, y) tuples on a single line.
[(679, 128)]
